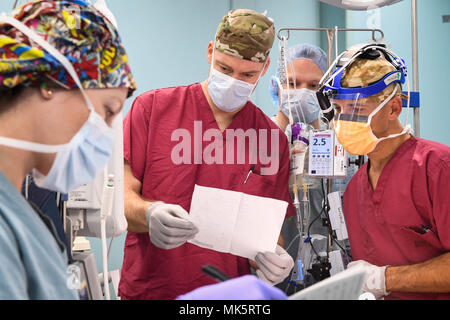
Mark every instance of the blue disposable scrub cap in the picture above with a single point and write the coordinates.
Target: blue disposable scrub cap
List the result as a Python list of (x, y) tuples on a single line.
[(301, 51)]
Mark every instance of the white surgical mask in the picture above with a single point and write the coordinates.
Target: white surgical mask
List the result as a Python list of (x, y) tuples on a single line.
[(227, 93), (79, 161), (302, 103)]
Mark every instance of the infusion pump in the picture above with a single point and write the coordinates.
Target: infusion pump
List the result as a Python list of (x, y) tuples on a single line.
[(327, 157)]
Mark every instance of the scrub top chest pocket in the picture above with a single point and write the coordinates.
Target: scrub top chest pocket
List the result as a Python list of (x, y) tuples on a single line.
[(422, 241), (254, 183)]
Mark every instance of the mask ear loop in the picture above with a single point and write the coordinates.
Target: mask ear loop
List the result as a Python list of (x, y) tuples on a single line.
[(406, 128), (212, 59), (377, 109), (259, 77)]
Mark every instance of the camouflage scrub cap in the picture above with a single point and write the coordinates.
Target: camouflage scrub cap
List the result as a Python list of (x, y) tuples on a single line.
[(245, 34), (77, 30), (364, 72)]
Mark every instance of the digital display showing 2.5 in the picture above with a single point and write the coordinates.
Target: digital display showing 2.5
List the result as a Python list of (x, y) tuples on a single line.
[(321, 144)]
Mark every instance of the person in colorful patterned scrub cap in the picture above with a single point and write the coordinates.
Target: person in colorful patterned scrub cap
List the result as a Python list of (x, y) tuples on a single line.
[(64, 76), (159, 263)]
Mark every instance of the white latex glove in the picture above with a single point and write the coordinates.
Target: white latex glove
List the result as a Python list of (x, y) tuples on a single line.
[(375, 278), (274, 267), (169, 226)]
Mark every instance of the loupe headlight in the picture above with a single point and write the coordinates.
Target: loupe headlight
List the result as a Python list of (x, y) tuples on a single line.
[(324, 95)]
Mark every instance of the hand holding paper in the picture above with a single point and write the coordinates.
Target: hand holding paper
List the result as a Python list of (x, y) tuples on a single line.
[(235, 222), (274, 267), (169, 225)]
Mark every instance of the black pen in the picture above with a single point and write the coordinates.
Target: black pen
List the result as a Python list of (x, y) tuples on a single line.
[(215, 273), (248, 175)]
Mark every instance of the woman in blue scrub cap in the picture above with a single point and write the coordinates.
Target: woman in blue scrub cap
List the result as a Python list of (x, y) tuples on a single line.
[(306, 65)]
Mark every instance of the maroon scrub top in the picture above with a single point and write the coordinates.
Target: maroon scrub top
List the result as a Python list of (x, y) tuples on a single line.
[(406, 219), (149, 272)]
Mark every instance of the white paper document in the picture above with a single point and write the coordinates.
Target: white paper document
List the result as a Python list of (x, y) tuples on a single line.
[(345, 285), (235, 222)]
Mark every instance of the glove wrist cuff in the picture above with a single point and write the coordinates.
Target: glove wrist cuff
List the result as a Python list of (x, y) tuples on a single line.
[(149, 210), (386, 293)]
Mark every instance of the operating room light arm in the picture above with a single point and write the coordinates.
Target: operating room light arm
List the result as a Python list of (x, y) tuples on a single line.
[(430, 276)]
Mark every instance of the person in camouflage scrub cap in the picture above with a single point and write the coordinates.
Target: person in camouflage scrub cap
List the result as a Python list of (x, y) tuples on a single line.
[(245, 34), (238, 57)]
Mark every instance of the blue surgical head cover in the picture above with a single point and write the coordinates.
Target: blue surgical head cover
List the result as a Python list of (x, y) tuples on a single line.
[(301, 51)]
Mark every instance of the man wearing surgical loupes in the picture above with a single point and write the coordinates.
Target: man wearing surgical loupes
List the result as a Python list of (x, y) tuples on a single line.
[(396, 206), (158, 261)]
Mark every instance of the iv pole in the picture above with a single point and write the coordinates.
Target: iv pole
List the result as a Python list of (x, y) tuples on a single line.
[(331, 34), (330, 30), (415, 62)]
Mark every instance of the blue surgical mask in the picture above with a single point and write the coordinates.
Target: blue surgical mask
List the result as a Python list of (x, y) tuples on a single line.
[(82, 159), (86, 155), (301, 103)]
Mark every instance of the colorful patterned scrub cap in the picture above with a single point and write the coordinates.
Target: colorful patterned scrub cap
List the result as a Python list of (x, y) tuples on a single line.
[(78, 31), (245, 34)]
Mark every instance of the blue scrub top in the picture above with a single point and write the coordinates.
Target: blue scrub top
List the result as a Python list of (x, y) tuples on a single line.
[(32, 264)]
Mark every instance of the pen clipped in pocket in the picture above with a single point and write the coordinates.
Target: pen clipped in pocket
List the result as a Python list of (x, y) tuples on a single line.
[(254, 183), (422, 237)]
